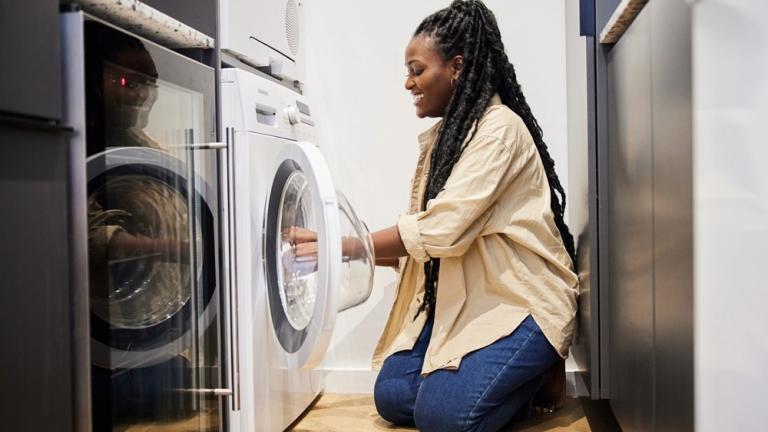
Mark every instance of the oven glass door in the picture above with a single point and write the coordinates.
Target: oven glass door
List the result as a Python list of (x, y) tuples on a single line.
[(153, 198)]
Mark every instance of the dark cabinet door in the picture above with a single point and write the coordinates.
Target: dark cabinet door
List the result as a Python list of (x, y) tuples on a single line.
[(30, 78), (36, 356)]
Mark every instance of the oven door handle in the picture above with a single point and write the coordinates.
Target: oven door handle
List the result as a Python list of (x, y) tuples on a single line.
[(232, 300), (198, 146), (229, 294), (207, 146)]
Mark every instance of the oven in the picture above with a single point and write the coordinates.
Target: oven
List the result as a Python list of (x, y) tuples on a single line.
[(153, 195)]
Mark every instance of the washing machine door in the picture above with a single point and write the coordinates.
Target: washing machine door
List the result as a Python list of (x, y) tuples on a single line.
[(304, 293), (358, 260)]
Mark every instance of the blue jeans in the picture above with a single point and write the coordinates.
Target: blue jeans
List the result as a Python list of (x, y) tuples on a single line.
[(493, 385)]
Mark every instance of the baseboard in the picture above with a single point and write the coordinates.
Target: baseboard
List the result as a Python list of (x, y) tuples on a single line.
[(574, 384), (350, 381), (361, 382)]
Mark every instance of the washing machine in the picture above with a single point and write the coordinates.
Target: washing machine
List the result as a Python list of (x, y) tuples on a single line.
[(286, 306), (153, 203), (265, 34)]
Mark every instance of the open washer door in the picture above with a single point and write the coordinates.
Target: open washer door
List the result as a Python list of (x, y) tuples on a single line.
[(305, 295)]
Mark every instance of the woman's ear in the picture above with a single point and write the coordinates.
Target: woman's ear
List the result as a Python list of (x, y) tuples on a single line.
[(457, 66)]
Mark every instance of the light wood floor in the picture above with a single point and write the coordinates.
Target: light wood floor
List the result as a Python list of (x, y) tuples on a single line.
[(356, 413)]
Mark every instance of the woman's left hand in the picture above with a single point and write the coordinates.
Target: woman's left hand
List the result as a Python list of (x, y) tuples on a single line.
[(297, 235), (305, 250)]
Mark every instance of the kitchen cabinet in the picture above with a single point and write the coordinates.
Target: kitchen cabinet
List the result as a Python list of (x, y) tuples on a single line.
[(36, 365), (30, 79)]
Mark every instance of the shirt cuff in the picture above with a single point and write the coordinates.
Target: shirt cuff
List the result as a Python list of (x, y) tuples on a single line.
[(408, 226), (99, 238)]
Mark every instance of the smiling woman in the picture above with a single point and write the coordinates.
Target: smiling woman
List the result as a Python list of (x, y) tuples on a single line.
[(486, 299), (430, 77)]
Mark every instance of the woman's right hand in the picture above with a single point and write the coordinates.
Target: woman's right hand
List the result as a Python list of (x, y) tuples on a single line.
[(126, 246), (303, 259), (306, 251), (297, 235)]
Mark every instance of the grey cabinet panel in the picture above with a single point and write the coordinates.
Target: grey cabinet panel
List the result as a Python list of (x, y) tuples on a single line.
[(35, 361), (30, 79), (604, 11), (673, 215), (649, 183), (630, 229), (642, 128)]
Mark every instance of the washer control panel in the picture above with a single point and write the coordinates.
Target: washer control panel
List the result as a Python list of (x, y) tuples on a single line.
[(265, 107)]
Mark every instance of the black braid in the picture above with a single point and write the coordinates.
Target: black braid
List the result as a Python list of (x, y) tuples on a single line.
[(468, 28)]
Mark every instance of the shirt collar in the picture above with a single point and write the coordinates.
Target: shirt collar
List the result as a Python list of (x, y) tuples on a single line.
[(429, 135)]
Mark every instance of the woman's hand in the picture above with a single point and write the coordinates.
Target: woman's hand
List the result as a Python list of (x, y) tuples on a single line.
[(305, 251), (297, 235), (303, 259), (352, 248), (128, 246)]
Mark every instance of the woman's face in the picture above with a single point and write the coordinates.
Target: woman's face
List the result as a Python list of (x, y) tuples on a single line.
[(430, 77)]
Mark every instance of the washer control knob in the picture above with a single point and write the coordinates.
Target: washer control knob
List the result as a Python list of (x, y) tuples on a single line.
[(293, 114)]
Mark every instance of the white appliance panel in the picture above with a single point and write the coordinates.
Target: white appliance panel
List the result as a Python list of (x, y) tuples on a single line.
[(265, 33), (279, 383)]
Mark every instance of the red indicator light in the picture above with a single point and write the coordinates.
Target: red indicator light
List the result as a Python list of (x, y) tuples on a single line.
[(123, 82)]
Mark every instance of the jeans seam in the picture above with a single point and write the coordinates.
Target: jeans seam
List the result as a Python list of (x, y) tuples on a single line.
[(496, 378)]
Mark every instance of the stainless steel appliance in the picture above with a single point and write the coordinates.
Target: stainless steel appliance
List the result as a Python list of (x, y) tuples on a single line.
[(153, 232)]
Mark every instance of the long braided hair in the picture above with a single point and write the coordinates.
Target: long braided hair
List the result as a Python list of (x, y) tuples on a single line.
[(468, 28)]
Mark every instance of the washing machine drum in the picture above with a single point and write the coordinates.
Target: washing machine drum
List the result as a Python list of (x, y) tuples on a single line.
[(151, 257)]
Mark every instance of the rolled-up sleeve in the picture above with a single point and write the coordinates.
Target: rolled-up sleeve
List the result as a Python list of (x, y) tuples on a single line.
[(100, 230), (458, 214)]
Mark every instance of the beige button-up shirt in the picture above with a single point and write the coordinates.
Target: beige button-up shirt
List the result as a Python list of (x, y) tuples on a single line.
[(501, 254)]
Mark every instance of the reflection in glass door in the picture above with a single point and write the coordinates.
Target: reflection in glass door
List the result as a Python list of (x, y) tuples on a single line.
[(153, 236)]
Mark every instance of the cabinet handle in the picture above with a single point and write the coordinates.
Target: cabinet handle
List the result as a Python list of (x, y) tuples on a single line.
[(234, 313), (213, 391)]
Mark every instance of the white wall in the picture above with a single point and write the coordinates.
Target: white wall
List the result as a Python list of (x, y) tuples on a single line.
[(577, 120), (730, 92), (577, 187), (367, 126)]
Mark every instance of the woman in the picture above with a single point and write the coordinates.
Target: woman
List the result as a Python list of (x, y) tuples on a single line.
[(486, 298)]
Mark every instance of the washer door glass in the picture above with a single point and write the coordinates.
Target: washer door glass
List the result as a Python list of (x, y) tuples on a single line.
[(357, 257), (297, 280)]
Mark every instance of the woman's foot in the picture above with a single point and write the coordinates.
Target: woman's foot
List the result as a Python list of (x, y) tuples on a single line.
[(551, 394)]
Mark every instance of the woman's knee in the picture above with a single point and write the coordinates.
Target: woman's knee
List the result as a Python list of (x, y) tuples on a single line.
[(456, 407), (432, 413), (393, 401)]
